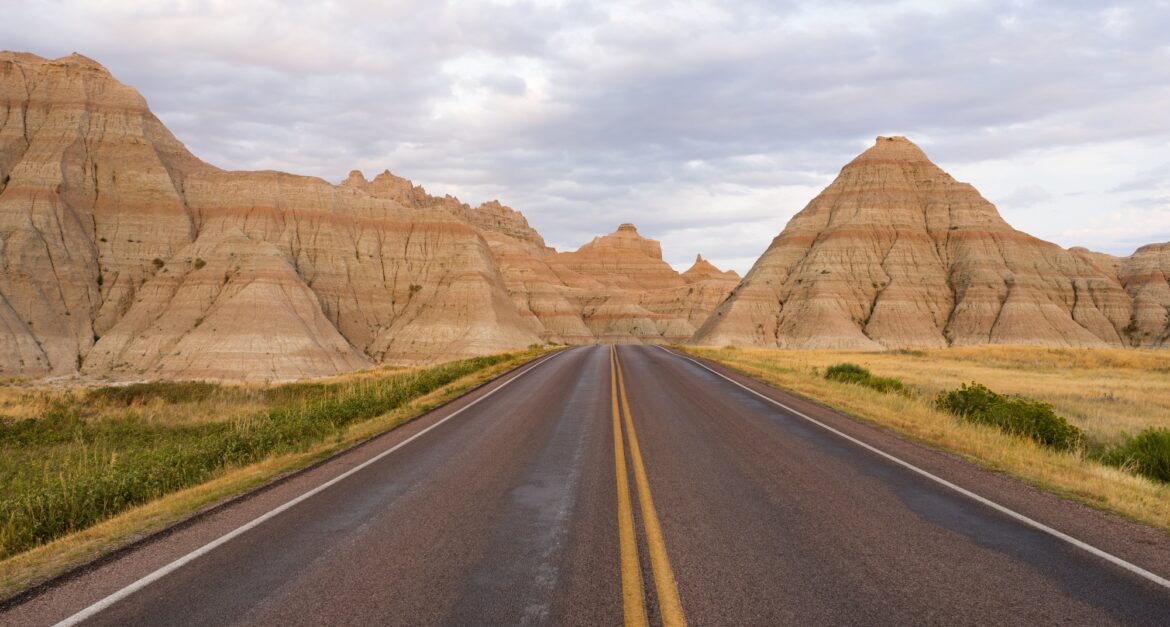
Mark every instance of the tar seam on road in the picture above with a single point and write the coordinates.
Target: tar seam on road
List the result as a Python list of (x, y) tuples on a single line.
[(669, 605), (145, 581), (633, 601), (1035, 524)]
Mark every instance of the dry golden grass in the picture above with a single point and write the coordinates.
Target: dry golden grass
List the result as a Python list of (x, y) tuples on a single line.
[(29, 568), (1106, 392)]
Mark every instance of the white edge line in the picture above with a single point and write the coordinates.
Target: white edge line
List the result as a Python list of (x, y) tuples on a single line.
[(145, 581), (1109, 557)]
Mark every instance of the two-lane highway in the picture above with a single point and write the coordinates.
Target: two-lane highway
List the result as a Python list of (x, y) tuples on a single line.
[(631, 485)]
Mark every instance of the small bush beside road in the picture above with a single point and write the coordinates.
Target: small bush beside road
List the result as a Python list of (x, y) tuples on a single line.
[(1147, 453), (1011, 414)]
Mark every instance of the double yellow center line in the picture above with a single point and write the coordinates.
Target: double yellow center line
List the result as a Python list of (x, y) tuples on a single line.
[(633, 599)]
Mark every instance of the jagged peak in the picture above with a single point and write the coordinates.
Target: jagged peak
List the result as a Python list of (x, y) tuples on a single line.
[(626, 237), (703, 269), (386, 173), (388, 176), (701, 263), (75, 59), (355, 179), (21, 57)]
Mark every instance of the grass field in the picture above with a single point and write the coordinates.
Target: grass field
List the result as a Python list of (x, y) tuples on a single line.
[(84, 470), (1109, 394)]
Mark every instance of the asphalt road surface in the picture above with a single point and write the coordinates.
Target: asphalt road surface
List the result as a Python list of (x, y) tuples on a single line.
[(600, 487)]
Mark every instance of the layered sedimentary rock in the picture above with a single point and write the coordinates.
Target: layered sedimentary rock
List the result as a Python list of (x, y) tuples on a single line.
[(89, 196), (896, 253), (101, 206), (123, 254), (615, 288), (491, 217), (623, 259), (1146, 277), (226, 304), (628, 293), (703, 270), (706, 287)]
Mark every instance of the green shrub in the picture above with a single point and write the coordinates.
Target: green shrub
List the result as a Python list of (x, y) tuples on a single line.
[(852, 373), (1147, 453), (847, 373), (199, 263), (1012, 414)]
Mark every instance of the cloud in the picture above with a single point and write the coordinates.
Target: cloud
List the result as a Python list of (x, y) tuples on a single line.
[(1026, 196), (708, 124)]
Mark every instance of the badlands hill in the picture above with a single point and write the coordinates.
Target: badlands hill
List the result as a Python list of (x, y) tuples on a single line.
[(895, 253), (123, 254)]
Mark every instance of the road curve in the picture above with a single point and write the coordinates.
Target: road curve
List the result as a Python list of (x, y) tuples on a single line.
[(634, 485)]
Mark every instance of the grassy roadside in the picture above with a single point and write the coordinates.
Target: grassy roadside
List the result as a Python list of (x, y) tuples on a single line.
[(252, 447), (1106, 393)]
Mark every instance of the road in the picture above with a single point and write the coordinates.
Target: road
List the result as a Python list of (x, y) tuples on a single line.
[(636, 485)]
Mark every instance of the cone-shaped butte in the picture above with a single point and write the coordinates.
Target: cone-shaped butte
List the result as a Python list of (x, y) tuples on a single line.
[(896, 253)]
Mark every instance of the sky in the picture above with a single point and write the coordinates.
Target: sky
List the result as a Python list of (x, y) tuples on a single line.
[(707, 124)]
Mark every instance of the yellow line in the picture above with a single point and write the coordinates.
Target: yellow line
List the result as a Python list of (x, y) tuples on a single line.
[(668, 601), (633, 602)]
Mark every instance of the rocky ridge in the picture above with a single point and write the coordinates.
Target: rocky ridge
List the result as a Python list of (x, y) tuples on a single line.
[(124, 255)]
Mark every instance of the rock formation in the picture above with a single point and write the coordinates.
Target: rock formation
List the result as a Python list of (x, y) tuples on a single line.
[(895, 253), (122, 254), (1146, 277), (102, 208), (703, 270)]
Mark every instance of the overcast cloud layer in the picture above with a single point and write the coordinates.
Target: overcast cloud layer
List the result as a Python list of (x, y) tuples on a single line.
[(706, 125)]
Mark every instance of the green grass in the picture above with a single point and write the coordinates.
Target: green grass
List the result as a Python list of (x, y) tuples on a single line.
[(65, 470), (852, 373), (171, 392)]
